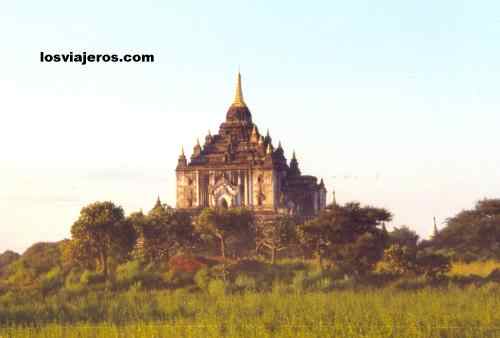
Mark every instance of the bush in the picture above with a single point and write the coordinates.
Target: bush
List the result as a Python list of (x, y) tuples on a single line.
[(433, 265), (410, 283), (299, 282), (494, 275), (398, 260), (51, 281), (202, 279), (91, 277), (217, 287), (128, 273), (246, 283), (176, 278)]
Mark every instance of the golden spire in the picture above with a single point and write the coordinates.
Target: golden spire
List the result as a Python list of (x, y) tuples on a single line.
[(238, 97)]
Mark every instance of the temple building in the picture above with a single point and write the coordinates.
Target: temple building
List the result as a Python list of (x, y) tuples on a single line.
[(240, 167)]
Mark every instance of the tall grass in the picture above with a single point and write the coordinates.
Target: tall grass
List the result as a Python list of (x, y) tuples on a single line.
[(452, 312)]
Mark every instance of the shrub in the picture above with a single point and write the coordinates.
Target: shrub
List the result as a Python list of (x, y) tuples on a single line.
[(176, 278), (433, 265), (185, 263), (494, 275), (54, 279), (410, 283), (128, 273), (217, 287), (246, 283), (299, 282), (202, 279), (397, 259), (91, 277)]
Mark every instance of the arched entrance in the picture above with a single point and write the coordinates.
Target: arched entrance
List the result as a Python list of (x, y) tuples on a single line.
[(223, 203)]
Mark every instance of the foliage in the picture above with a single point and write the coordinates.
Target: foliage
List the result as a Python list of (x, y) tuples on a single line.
[(433, 265), (404, 237), (478, 268), (398, 259), (349, 235), (202, 279), (391, 312), (101, 233), (471, 234), (226, 226), (6, 259), (163, 231), (53, 280), (277, 235)]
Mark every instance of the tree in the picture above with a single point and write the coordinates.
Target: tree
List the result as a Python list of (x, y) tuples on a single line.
[(404, 237), (471, 234), (7, 258), (398, 259), (102, 232), (349, 235), (315, 237), (276, 235), (163, 231), (433, 265), (225, 225)]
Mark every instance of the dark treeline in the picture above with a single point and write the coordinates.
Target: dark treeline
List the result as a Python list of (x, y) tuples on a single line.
[(166, 247)]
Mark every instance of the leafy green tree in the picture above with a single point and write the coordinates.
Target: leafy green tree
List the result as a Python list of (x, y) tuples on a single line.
[(225, 225), (277, 235), (7, 258), (398, 259), (404, 236), (349, 235), (102, 233), (316, 237), (471, 234), (433, 265), (163, 231)]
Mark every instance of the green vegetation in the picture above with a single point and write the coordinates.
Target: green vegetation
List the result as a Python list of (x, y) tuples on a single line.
[(288, 299), (342, 273)]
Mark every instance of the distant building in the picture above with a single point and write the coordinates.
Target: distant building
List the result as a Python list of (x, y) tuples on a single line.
[(240, 167)]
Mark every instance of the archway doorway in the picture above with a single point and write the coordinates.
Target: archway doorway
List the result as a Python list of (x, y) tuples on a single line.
[(223, 203)]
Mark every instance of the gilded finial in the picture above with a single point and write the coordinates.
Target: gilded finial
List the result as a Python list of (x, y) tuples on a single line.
[(182, 150), (238, 97)]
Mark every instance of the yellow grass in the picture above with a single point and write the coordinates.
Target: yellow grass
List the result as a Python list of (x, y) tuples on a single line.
[(482, 269)]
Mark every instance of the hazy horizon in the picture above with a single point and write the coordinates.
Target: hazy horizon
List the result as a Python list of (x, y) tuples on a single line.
[(393, 104)]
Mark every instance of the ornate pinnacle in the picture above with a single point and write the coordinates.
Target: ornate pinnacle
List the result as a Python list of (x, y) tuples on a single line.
[(269, 150), (238, 97)]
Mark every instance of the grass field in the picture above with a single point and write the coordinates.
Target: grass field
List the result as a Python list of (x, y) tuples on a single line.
[(451, 312), (296, 303)]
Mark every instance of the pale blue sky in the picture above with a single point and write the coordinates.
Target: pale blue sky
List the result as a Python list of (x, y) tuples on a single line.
[(393, 103)]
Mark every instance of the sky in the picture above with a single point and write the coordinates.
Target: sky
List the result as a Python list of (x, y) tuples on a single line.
[(393, 103)]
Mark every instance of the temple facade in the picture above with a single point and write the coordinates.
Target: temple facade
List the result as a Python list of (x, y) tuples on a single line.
[(240, 167)]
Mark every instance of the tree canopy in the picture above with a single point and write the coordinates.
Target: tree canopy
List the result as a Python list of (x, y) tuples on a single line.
[(225, 225), (471, 234), (163, 231), (101, 232), (349, 235)]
